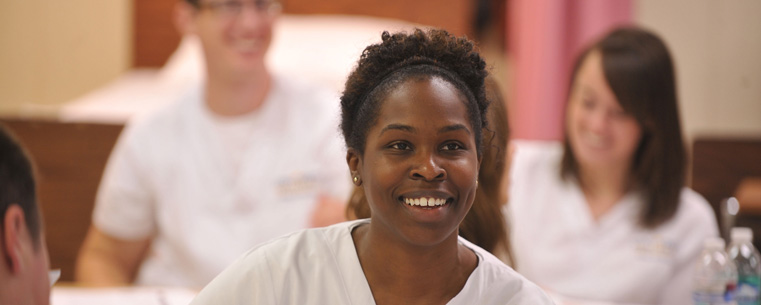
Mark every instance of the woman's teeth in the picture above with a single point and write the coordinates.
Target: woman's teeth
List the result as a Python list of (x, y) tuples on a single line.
[(425, 202), (594, 140), (247, 45)]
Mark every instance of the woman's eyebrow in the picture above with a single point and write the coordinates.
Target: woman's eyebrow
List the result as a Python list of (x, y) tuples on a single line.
[(411, 129), (454, 128), (402, 127)]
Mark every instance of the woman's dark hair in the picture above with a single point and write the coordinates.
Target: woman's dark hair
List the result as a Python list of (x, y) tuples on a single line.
[(401, 56), (17, 186), (640, 72)]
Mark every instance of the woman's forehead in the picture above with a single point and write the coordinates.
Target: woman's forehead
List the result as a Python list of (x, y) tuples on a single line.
[(423, 100)]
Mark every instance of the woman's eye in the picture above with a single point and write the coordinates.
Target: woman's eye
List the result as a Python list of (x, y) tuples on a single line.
[(620, 113), (588, 103), (400, 146), (452, 146)]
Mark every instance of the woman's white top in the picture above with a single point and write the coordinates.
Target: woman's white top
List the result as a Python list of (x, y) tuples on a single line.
[(557, 244), (321, 266)]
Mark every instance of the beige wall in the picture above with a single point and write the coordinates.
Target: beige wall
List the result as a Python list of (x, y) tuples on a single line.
[(53, 51), (717, 49)]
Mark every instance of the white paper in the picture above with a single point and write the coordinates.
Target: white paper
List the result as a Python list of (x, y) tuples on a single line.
[(121, 296)]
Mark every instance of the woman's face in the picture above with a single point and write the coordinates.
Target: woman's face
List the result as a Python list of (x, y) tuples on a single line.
[(420, 164), (600, 132)]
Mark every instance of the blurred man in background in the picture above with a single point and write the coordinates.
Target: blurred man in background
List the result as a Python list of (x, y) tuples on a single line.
[(244, 157)]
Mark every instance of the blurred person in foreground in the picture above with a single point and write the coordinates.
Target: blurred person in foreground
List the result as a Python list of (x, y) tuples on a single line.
[(246, 156), (24, 268), (605, 215)]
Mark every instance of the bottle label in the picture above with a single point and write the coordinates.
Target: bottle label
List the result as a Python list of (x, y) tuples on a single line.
[(712, 298), (747, 291)]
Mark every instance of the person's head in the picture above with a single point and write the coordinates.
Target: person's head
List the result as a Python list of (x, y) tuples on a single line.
[(413, 111), (622, 112), (484, 224), (24, 268), (235, 34)]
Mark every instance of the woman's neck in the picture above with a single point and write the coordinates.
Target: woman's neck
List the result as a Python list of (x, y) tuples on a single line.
[(231, 96), (603, 187), (409, 274)]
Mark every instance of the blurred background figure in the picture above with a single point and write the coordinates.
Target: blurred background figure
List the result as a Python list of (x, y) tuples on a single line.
[(244, 157), (24, 266), (605, 215), (484, 224)]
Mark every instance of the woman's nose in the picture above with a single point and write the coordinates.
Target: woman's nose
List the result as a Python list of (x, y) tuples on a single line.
[(598, 120), (427, 167)]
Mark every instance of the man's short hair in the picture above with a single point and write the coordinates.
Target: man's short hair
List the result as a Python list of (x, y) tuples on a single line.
[(17, 184)]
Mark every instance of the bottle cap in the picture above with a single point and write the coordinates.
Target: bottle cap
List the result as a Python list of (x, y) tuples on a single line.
[(714, 243), (742, 234)]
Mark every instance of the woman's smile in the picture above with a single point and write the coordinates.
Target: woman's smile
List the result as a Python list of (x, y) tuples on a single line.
[(427, 207), (430, 202)]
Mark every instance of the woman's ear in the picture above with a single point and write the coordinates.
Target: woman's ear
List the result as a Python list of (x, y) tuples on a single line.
[(354, 161), (183, 17)]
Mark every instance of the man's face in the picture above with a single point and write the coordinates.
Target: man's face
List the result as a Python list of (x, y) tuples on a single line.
[(235, 34)]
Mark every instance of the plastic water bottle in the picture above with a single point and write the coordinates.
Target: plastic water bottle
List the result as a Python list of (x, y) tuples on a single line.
[(748, 263), (715, 275)]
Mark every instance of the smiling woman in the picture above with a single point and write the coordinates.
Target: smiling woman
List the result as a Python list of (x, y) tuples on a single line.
[(420, 174), (412, 115), (484, 224), (611, 198)]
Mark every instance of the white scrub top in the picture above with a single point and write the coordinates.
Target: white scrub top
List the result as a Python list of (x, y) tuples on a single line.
[(320, 266), (557, 244), (207, 188)]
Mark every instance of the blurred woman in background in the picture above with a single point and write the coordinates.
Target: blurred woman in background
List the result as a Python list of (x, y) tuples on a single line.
[(605, 215)]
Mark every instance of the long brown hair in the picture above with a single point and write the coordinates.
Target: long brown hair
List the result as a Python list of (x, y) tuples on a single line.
[(484, 225), (639, 70)]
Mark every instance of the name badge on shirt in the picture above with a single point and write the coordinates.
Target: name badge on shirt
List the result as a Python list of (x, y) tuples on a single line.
[(654, 246)]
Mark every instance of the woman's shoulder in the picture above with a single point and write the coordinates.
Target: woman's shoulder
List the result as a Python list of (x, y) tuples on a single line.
[(693, 222), (286, 268), (537, 148), (505, 285), (693, 207), (531, 155), (535, 166), (291, 246)]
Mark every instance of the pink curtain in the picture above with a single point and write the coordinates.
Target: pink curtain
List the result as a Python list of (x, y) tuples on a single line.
[(544, 37)]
